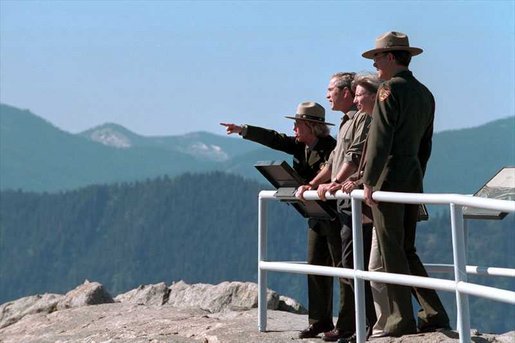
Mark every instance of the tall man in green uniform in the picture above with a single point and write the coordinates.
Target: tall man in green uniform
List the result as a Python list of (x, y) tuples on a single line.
[(399, 146), (310, 147)]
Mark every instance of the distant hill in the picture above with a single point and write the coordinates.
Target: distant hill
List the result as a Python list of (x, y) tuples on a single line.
[(36, 156), (200, 145), (463, 160)]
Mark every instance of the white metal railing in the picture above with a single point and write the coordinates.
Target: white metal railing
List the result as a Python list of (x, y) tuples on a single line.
[(459, 285)]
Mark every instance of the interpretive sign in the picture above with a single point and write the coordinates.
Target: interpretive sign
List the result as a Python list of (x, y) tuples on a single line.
[(283, 177), (501, 186)]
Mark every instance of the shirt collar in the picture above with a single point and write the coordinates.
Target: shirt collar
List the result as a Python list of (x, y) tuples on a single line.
[(310, 147), (350, 113)]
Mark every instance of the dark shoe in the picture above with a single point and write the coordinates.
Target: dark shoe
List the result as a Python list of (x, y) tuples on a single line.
[(314, 330), (334, 335), (351, 339)]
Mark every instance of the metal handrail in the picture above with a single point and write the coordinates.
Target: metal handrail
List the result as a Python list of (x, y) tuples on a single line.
[(459, 285)]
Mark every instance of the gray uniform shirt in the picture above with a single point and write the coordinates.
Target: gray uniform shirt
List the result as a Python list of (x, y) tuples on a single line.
[(351, 138)]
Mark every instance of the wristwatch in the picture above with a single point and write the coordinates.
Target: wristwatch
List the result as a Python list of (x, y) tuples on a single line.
[(244, 129)]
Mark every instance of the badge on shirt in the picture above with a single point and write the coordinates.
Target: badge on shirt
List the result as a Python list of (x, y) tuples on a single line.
[(384, 93)]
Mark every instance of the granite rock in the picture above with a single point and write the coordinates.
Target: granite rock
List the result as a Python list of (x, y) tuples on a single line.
[(180, 313)]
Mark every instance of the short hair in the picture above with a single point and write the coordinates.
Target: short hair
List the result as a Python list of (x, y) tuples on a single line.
[(344, 79), (367, 80), (402, 57), (318, 129)]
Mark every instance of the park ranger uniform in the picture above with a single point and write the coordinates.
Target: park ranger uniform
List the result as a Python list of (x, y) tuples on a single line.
[(399, 146), (324, 242)]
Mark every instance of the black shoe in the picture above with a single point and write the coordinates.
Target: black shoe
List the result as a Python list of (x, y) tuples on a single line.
[(335, 334), (314, 330), (350, 339)]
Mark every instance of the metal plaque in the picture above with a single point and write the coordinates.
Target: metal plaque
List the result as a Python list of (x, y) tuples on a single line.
[(283, 177), (501, 186)]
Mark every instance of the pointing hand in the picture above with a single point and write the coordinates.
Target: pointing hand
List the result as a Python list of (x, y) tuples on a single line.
[(232, 128)]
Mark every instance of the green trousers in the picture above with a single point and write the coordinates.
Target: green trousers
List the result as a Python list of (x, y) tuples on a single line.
[(325, 249)]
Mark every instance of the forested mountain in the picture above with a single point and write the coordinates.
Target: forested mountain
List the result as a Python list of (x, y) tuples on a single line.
[(36, 156), (197, 228), (463, 160), (194, 227)]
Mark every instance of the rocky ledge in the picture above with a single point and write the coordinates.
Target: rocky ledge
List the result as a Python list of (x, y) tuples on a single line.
[(179, 313)]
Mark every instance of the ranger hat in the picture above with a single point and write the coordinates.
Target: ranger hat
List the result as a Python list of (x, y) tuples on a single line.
[(310, 111), (392, 41)]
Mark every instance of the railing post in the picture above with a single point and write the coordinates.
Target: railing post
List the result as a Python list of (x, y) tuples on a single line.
[(262, 282), (466, 236), (359, 284), (460, 272)]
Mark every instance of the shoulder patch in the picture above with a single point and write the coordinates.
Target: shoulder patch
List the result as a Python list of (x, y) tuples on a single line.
[(384, 93)]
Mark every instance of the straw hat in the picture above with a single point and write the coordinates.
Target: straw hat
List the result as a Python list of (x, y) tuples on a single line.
[(310, 111), (392, 41)]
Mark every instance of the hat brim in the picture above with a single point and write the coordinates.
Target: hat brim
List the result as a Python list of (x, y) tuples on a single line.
[(370, 54), (313, 121)]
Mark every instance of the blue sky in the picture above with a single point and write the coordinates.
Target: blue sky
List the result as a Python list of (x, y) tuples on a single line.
[(173, 67)]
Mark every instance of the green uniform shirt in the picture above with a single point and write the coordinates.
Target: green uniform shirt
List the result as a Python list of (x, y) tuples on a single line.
[(399, 144), (306, 163)]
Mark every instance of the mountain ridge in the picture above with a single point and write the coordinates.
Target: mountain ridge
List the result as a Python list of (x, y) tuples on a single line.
[(35, 155), (39, 156), (200, 144)]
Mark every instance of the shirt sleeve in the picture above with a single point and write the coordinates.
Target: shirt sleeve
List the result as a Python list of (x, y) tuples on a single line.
[(272, 139), (331, 158), (359, 131)]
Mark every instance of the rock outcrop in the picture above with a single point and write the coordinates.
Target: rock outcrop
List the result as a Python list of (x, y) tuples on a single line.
[(89, 293), (180, 313)]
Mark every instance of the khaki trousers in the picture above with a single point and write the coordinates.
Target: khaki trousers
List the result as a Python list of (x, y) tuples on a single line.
[(379, 290), (396, 227)]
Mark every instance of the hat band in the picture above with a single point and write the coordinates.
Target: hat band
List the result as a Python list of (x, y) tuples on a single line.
[(308, 117)]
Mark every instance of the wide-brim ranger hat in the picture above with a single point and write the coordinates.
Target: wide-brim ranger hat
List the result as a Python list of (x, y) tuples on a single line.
[(392, 41), (310, 111)]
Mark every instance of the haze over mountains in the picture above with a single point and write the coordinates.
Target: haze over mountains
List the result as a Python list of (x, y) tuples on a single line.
[(37, 156)]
